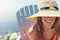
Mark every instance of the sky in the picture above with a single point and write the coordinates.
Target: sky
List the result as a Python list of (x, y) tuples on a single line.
[(8, 19), (8, 10)]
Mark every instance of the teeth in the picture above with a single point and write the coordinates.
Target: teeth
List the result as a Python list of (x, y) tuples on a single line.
[(48, 21)]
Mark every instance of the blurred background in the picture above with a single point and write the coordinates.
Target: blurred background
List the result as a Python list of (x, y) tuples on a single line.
[(8, 10), (8, 17)]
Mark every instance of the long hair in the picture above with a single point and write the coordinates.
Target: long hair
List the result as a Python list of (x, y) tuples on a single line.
[(40, 25)]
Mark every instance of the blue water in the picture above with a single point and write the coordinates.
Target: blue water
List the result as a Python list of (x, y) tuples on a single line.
[(9, 26)]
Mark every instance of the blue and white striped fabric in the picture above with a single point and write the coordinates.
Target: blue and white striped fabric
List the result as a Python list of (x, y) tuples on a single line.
[(22, 22), (25, 12)]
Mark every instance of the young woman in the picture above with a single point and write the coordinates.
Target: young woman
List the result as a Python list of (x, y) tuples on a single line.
[(47, 19), (47, 31)]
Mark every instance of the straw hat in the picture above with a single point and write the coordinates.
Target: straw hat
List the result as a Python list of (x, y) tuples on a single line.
[(47, 8)]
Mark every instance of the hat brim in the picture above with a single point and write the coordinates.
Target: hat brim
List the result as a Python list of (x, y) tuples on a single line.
[(43, 14)]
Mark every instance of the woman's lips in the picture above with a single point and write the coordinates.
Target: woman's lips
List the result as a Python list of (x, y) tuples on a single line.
[(48, 21)]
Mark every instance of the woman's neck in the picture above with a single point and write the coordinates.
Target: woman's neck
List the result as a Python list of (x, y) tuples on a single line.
[(48, 33), (46, 28)]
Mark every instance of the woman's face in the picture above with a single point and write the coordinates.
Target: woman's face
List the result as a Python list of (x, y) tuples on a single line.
[(48, 21)]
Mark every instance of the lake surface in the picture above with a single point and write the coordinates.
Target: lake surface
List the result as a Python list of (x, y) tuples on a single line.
[(9, 26)]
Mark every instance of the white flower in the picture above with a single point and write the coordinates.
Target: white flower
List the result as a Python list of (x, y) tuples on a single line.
[(13, 36)]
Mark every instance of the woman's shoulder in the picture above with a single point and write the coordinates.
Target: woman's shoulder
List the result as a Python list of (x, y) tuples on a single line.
[(32, 32), (33, 28)]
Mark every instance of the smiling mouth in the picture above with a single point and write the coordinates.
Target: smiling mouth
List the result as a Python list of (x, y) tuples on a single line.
[(48, 21)]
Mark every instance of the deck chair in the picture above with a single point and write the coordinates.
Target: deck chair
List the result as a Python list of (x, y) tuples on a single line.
[(22, 22)]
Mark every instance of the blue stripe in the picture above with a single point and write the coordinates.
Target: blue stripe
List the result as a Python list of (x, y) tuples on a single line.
[(31, 9), (27, 11), (36, 8)]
